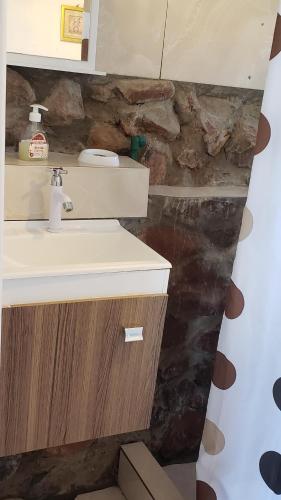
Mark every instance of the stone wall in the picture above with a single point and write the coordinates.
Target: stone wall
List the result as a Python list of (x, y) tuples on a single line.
[(198, 135)]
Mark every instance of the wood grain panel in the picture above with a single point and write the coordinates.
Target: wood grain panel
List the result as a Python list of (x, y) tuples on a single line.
[(68, 376)]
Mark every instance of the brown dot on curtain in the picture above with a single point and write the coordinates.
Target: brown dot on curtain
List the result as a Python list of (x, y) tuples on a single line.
[(235, 302), (264, 134), (213, 439), (277, 393), (204, 491), (276, 46), (247, 224), (224, 375)]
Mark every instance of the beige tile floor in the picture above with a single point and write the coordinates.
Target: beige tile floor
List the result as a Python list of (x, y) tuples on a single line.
[(108, 494)]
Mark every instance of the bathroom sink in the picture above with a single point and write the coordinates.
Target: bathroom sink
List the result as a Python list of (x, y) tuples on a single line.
[(87, 259)]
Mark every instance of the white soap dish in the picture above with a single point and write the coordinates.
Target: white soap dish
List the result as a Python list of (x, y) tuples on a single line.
[(98, 158)]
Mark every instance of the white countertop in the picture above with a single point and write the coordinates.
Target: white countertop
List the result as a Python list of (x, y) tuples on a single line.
[(67, 161), (89, 258)]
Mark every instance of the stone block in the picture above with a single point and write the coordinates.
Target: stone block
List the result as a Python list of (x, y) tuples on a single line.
[(100, 92), (106, 136), (217, 117), (19, 90), (240, 149), (137, 91), (158, 119), (20, 95), (65, 103)]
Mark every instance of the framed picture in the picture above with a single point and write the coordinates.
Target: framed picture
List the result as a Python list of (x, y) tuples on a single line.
[(72, 23)]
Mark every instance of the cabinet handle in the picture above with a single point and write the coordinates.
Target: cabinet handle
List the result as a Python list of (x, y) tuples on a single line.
[(133, 334)]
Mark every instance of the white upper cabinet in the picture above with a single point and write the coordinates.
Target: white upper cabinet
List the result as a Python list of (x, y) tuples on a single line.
[(222, 42), (130, 37), (124, 37), (53, 34)]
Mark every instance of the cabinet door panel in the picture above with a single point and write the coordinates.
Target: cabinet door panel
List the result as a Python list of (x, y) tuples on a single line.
[(130, 37), (219, 42), (27, 362), (67, 374)]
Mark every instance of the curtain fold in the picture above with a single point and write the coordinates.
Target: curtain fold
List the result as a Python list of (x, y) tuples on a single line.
[(240, 455)]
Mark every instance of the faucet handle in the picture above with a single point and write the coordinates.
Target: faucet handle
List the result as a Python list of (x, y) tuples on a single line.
[(58, 170), (57, 176)]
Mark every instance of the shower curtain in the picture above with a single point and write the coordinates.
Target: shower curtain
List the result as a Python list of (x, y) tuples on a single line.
[(240, 456)]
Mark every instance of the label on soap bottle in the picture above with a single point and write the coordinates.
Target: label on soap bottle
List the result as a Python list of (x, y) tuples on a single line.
[(38, 147)]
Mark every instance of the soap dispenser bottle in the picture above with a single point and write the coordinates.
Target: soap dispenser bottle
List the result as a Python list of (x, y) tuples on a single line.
[(33, 145)]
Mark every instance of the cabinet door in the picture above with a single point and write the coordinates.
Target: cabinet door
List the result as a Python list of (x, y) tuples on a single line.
[(130, 37), (67, 374), (219, 42)]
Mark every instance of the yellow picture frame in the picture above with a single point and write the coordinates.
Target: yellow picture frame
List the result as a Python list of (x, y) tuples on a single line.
[(71, 24)]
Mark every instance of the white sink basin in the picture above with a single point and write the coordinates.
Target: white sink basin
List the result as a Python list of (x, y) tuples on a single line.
[(87, 259)]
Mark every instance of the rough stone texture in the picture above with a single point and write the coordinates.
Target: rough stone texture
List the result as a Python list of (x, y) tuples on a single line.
[(139, 91), (158, 157), (104, 136), (217, 117), (97, 112), (157, 162), (240, 148), (19, 90), (20, 95), (65, 103), (157, 119), (65, 139), (189, 150), (100, 92), (208, 132), (161, 120), (186, 103)]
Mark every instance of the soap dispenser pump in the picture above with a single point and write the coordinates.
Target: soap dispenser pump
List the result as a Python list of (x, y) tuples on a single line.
[(34, 145)]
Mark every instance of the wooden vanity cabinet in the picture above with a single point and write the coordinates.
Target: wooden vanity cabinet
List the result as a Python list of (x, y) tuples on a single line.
[(67, 374)]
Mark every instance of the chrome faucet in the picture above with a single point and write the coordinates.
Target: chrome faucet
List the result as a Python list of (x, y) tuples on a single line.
[(58, 200)]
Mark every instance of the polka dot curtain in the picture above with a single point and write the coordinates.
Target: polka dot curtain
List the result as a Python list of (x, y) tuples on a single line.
[(240, 456)]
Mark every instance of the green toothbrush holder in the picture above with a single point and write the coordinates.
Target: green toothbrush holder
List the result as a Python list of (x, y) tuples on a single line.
[(137, 142)]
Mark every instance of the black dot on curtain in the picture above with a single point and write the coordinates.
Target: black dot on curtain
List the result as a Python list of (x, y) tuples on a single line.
[(270, 469), (277, 393)]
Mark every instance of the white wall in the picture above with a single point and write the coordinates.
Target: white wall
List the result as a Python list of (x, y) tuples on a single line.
[(34, 28)]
